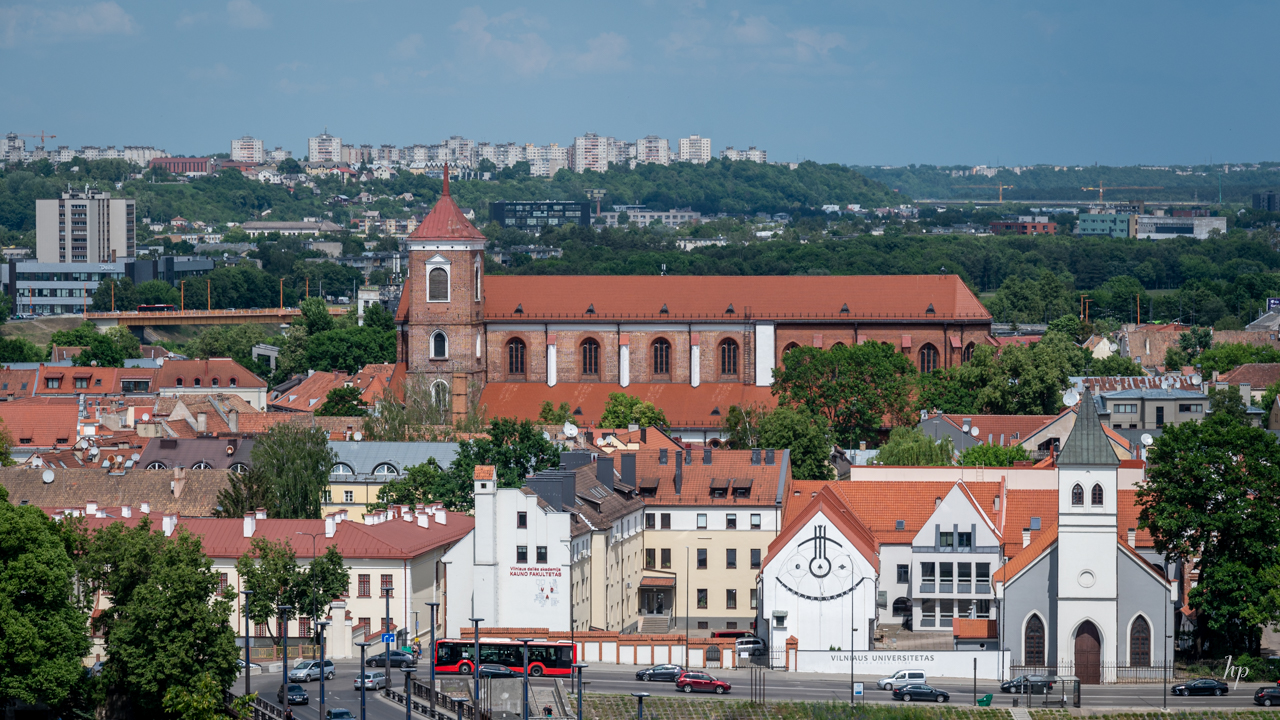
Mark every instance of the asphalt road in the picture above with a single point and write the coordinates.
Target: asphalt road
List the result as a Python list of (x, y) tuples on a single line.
[(620, 680)]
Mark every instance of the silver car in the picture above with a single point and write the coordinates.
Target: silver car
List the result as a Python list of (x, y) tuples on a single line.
[(308, 670), (375, 680)]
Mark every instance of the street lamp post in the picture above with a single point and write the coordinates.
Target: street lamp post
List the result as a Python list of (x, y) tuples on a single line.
[(386, 630), (408, 691), (525, 704), (363, 675), (244, 608), (580, 667), (284, 637), (475, 661), (435, 606), (853, 637), (322, 624), (640, 696), (457, 702)]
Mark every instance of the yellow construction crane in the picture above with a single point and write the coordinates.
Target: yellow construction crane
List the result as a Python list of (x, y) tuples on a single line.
[(42, 136), (1001, 187), (1122, 187)]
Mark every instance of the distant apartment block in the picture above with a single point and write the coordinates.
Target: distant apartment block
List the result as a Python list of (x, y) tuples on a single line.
[(642, 217), (81, 227), (355, 155), (1153, 227), (695, 149), (547, 160), (1026, 225), (534, 216), (254, 228), (1117, 225), (653, 149), (324, 148), (248, 149), (591, 152), (1268, 201), (182, 165), (279, 155), (752, 154)]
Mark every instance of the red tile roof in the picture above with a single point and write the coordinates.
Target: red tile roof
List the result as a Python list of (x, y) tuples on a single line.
[(1258, 375), (99, 380), (834, 506), (869, 297), (17, 383), (1020, 507), (733, 467), (222, 369), (446, 221), (684, 405), (881, 504), (310, 394), (1023, 426), (39, 424), (967, 629), (261, 422), (1027, 555)]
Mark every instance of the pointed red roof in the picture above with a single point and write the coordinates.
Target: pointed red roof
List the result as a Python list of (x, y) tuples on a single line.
[(446, 221)]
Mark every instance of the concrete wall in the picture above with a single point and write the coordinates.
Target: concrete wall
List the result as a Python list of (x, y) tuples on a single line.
[(936, 664)]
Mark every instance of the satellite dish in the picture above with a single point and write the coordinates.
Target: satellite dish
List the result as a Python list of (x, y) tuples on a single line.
[(80, 444), (47, 476), (358, 436), (1196, 379), (93, 452), (135, 457), (1070, 398), (1114, 347), (1146, 439), (145, 417), (965, 428), (974, 431), (570, 430), (546, 435)]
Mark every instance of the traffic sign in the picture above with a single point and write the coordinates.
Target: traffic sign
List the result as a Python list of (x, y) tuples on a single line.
[(388, 637), (857, 689)]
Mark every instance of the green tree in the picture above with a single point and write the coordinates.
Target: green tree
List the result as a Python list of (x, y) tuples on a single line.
[(79, 336), (1176, 357), (153, 292), (271, 570), (349, 349), (550, 415), (1224, 357), (853, 387), (342, 402), (167, 623), (205, 701), (110, 349), (18, 349), (806, 434), (119, 291), (315, 316), (1212, 496), (425, 484), (45, 625), (377, 318), (1195, 341), (298, 459), (622, 410), (1227, 403), (1269, 402), (289, 166), (516, 448), (424, 407), (233, 341), (994, 455), (910, 446), (246, 492), (1114, 365)]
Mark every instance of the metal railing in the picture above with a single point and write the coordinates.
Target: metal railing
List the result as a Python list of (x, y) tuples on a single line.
[(1110, 673), (262, 710), (445, 706)]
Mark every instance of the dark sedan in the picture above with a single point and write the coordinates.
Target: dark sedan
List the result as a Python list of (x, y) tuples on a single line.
[(1267, 696), (499, 671), (667, 673), (297, 695), (1038, 684), (398, 659), (907, 693), (1203, 686)]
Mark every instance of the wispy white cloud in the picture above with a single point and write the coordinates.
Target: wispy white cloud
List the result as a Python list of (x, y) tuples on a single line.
[(526, 53), (191, 19), (31, 23), (408, 47), (811, 44), (753, 30), (244, 14), (605, 52)]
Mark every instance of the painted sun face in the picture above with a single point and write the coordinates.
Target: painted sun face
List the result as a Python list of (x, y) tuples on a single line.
[(822, 571)]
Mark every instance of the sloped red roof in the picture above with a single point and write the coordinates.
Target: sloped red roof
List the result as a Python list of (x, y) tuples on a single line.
[(684, 405), (310, 394), (1027, 556), (834, 507), (33, 423), (446, 221), (869, 297), (1258, 375), (731, 468), (1001, 425), (17, 383), (1020, 507), (224, 369), (881, 504)]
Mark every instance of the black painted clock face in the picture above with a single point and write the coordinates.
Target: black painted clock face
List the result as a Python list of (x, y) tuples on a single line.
[(819, 569)]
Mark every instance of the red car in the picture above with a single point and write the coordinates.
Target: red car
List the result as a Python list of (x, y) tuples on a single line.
[(702, 682)]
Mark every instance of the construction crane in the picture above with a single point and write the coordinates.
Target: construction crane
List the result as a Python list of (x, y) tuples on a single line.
[(1122, 187), (42, 136), (1001, 188)]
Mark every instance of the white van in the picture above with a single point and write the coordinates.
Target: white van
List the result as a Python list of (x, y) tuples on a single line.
[(900, 678)]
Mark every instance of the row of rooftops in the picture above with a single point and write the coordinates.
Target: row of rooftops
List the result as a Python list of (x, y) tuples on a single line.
[(54, 380)]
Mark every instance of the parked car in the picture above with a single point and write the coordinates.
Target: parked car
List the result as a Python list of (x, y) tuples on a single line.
[(750, 645), (499, 671), (907, 693), (732, 634), (297, 696), (308, 670), (902, 677), (1203, 686), (94, 671), (399, 658), (1267, 696), (668, 673), (339, 714), (701, 682), (376, 680), (252, 665), (1027, 683)]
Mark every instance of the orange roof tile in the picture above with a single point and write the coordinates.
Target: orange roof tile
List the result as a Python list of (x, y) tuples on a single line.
[(731, 466), (1014, 428), (1020, 507), (881, 504), (17, 383), (38, 424), (833, 505), (684, 405), (446, 221), (967, 629), (869, 297), (1258, 375), (261, 422), (308, 395), (1027, 556), (224, 370)]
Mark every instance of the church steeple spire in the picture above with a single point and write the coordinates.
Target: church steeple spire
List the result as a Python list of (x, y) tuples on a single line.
[(445, 193)]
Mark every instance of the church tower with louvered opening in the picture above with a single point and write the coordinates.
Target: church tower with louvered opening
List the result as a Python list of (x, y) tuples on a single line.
[(440, 321)]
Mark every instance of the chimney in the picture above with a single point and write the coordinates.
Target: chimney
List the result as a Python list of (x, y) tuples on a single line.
[(330, 525), (862, 445), (644, 435), (126, 511), (250, 524), (202, 422), (442, 517), (688, 455), (662, 456), (341, 516), (604, 472), (1214, 377), (424, 518), (1026, 537), (768, 457), (145, 507), (679, 471), (170, 522), (179, 481), (260, 513), (628, 471), (706, 456), (1246, 394), (755, 456), (1133, 537), (91, 508), (233, 421)]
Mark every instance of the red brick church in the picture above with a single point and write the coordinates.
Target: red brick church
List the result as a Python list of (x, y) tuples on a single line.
[(693, 346)]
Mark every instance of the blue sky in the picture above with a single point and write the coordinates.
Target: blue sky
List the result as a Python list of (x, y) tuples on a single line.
[(852, 82)]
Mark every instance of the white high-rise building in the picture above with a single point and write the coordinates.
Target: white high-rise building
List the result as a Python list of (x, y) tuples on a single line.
[(752, 154), (14, 148), (653, 149), (324, 148), (462, 152), (142, 154), (82, 227), (695, 149), (247, 149), (279, 154), (591, 152), (547, 160)]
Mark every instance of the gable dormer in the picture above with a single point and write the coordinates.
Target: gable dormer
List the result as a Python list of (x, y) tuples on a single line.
[(958, 524)]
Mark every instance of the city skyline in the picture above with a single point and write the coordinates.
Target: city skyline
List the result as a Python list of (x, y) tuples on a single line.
[(875, 83)]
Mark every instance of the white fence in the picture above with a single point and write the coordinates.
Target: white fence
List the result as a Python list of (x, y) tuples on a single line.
[(943, 663)]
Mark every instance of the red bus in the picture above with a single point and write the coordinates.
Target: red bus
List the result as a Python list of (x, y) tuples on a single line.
[(545, 658)]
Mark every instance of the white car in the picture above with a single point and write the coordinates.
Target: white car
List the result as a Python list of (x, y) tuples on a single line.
[(749, 646), (900, 678), (375, 680), (307, 670)]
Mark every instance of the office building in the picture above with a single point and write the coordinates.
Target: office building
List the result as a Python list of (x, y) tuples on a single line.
[(534, 216), (548, 160), (182, 165), (1151, 227), (643, 217), (653, 149), (1111, 225), (1025, 225), (1268, 201), (247, 149), (324, 148), (695, 149), (84, 227)]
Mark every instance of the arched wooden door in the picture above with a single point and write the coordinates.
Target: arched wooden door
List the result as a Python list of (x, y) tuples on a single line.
[(1088, 654)]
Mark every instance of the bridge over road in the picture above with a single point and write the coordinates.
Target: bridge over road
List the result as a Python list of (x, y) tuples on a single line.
[(135, 319)]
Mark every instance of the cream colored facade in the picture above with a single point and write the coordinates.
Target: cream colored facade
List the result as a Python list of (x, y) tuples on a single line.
[(608, 564)]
